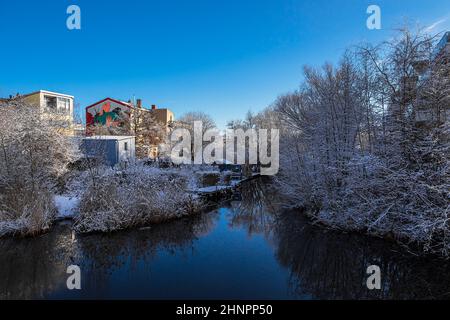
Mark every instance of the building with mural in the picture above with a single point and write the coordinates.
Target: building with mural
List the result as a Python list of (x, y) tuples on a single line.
[(109, 113), (115, 117)]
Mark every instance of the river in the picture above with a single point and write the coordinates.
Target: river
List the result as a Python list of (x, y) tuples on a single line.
[(247, 249)]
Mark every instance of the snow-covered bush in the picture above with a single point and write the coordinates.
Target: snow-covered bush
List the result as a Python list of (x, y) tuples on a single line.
[(34, 154), (135, 196), (30, 215)]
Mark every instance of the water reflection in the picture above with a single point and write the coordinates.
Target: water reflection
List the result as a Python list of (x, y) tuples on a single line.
[(258, 207), (330, 265), (108, 260), (110, 252), (248, 249), (31, 268), (36, 268)]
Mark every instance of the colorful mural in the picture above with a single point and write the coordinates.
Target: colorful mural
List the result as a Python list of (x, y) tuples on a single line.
[(109, 113)]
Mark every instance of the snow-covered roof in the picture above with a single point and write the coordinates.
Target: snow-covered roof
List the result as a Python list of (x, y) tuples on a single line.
[(223, 161), (109, 137)]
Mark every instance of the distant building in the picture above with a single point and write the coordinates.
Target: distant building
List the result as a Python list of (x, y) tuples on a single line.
[(110, 150), (116, 113), (58, 107), (164, 116), (440, 62), (413, 94), (79, 130), (117, 117), (442, 50)]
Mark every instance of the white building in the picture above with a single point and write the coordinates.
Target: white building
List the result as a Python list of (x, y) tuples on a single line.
[(110, 149)]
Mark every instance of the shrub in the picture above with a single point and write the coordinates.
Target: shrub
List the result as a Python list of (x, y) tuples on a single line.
[(139, 195)]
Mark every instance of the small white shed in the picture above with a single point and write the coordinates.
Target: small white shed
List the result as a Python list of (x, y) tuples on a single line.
[(111, 149)]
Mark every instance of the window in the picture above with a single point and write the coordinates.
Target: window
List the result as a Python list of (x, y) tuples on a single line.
[(125, 146), (50, 102), (63, 105), (57, 104)]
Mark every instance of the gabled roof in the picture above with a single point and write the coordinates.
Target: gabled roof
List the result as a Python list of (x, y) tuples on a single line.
[(109, 137), (126, 104), (445, 40)]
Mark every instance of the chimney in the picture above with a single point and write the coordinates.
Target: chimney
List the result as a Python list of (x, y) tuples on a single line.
[(139, 103), (153, 106)]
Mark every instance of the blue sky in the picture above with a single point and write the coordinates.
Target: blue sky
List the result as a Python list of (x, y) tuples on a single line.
[(220, 57)]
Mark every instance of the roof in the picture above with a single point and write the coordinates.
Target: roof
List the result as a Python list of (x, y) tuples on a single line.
[(126, 104), (445, 40), (160, 109), (54, 93), (223, 161), (39, 91), (109, 137)]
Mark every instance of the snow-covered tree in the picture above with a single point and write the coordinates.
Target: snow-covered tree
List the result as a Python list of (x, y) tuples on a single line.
[(34, 154), (365, 144), (149, 132)]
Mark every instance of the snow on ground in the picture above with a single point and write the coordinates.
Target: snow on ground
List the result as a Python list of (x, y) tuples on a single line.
[(66, 206)]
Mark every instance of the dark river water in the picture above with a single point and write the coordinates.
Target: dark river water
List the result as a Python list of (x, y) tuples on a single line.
[(243, 250)]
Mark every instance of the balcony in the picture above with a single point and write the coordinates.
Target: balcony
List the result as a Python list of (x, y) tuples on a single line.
[(57, 105)]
